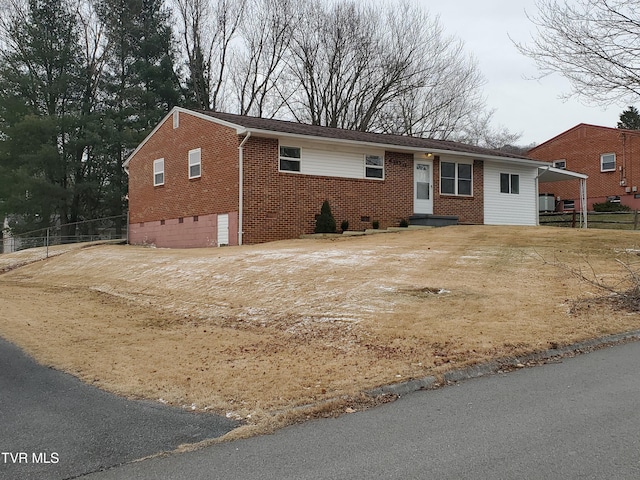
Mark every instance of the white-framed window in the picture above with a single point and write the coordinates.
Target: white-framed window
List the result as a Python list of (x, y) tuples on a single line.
[(289, 159), (195, 163), (374, 166), (568, 204), (456, 178), (509, 183), (607, 162), (176, 119), (561, 164), (158, 172)]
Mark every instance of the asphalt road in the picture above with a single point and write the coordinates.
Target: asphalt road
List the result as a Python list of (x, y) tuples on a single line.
[(576, 419), (52, 426)]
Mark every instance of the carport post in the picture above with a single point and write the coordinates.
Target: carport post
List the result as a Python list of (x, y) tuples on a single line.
[(583, 202)]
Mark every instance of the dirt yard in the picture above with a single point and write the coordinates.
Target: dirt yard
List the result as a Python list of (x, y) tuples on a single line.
[(253, 331)]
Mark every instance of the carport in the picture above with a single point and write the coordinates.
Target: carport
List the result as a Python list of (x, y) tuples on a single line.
[(552, 174)]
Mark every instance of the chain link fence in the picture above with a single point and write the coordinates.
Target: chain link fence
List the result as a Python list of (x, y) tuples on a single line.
[(108, 228)]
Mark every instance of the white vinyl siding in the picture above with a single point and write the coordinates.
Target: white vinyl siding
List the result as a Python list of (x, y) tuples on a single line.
[(336, 162), (507, 208)]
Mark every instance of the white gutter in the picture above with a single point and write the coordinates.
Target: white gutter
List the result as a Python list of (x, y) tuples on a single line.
[(240, 184)]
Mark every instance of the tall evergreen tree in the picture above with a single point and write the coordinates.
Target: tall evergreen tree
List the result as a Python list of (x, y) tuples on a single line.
[(42, 80), (630, 119), (140, 84)]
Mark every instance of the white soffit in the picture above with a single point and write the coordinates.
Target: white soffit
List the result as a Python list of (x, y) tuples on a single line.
[(552, 174)]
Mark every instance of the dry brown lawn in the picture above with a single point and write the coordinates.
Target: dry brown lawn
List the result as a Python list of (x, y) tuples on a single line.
[(253, 331)]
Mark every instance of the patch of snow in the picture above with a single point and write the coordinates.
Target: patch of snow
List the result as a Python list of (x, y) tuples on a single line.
[(387, 289)]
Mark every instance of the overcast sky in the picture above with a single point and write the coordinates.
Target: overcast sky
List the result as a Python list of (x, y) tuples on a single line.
[(530, 107)]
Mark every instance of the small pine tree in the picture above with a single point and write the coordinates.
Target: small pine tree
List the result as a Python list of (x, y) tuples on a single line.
[(325, 223)]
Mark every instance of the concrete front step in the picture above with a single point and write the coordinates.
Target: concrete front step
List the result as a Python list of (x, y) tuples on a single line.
[(433, 220)]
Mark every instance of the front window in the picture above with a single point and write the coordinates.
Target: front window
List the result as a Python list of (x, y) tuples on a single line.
[(456, 178), (607, 162), (289, 159), (374, 166), (509, 183)]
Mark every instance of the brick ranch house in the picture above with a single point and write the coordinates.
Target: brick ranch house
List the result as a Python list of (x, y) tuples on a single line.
[(209, 179), (609, 156)]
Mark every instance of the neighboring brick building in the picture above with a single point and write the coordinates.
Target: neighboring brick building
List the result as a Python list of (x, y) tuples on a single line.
[(609, 156), (209, 178)]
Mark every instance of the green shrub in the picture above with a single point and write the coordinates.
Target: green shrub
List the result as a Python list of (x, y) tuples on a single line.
[(404, 223), (344, 226), (325, 223), (610, 207), (375, 224)]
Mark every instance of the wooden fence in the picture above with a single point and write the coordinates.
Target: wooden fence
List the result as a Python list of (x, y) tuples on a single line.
[(613, 220)]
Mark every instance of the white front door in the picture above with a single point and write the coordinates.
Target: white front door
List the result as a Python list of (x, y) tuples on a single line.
[(422, 186)]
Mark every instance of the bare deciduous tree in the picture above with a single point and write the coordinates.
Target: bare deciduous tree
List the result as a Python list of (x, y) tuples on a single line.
[(332, 52), (208, 30), (593, 43), (390, 70), (266, 33), (446, 96)]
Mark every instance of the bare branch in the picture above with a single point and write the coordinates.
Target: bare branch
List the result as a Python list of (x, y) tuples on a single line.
[(592, 43)]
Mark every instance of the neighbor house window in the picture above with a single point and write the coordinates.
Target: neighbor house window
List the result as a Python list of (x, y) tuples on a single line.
[(374, 166), (289, 159), (509, 183), (568, 204), (607, 162), (195, 163), (561, 164), (455, 178), (158, 172)]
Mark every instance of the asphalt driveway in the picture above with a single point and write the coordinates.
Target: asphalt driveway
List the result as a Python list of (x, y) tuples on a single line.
[(53, 426)]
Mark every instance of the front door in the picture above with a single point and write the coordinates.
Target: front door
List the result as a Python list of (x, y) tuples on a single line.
[(422, 186)]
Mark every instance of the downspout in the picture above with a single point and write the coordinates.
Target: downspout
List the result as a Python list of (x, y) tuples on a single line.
[(240, 185), (126, 170)]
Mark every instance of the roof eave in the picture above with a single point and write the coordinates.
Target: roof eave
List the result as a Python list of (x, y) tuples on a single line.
[(240, 130), (387, 146)]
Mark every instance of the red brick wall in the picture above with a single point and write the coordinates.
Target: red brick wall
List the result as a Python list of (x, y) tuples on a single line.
[(467, 209), (216, 191), (277, 205), (581, 147), (280, 205)]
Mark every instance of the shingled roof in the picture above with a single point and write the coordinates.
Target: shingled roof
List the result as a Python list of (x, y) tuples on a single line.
[(282, 126)]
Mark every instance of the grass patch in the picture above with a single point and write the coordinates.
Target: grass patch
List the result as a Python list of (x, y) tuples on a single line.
[(276, 333)]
